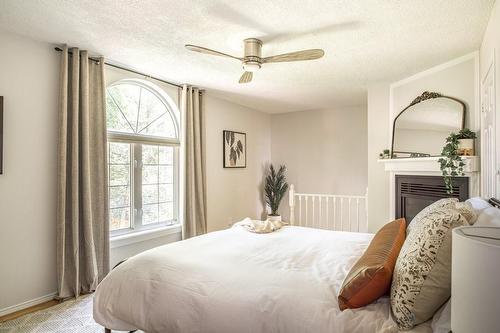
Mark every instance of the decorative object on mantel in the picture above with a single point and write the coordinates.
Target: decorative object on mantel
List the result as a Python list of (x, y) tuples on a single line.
[(1, 135), (234, 149), (275, 189), (466, 142), (420, 129), (452, 164), (386, 153)]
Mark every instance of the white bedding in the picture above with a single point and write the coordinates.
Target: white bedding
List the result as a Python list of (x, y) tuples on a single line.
[(235, 281)]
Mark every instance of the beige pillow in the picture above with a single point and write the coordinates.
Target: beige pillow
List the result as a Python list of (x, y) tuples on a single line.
[(422, 277), (441, 203)]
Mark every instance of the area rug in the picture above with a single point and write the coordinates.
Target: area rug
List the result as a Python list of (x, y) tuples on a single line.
[(73, 316)]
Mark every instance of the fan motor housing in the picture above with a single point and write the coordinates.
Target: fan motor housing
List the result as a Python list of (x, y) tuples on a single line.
[(253, 47), (253, 54)]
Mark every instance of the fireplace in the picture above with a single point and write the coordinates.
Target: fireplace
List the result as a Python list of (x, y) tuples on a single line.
[(414, 193)]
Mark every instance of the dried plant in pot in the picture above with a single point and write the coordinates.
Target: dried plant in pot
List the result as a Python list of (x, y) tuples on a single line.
[(275, 189)]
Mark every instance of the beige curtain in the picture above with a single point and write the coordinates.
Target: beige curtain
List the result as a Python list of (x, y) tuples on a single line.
[(194, 210), (82, 206)]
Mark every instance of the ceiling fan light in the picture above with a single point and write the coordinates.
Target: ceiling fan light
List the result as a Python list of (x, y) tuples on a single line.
[(251, 66)]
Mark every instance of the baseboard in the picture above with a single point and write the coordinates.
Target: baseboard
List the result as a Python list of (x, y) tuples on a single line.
[(27, 304)]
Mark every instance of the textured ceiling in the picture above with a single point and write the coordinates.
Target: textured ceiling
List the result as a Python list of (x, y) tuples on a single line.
[(364, 41)]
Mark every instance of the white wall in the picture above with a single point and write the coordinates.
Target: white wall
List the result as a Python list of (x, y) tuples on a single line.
[(234, 194), (325, 151), (29, 76), (378, 179), (458, 78), (490, 47)]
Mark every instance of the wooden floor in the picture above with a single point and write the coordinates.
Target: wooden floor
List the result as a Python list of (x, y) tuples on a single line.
[(31, 309)]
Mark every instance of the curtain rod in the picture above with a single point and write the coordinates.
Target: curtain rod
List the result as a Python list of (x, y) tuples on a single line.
[(58, 49)]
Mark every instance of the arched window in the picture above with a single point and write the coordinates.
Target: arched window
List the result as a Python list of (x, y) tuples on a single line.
[(143, 141)]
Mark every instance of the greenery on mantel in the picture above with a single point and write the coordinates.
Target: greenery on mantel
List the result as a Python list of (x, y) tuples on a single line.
[(451, 162), (466, 134), (275, 188)]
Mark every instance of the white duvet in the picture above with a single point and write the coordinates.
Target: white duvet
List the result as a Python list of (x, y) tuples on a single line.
[(234, 281)]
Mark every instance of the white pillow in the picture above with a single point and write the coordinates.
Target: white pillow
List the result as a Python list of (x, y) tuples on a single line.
[(490, 217), (478, 205)]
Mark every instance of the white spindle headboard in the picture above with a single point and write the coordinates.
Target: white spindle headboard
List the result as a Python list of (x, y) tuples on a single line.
[(329, 211)]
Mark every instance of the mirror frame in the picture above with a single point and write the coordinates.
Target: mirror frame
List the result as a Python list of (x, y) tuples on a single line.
[(426, 95)]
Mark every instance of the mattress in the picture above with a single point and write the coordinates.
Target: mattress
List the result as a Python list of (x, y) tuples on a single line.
[(237, 281)]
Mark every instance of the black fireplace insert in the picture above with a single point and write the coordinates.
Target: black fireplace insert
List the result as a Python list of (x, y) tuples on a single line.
[(414, 193)]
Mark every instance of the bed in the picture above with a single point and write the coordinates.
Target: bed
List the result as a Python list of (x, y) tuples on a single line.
[(237, 281)]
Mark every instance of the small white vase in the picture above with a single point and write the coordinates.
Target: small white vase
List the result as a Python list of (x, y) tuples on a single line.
[(274, 218), (466, 147)]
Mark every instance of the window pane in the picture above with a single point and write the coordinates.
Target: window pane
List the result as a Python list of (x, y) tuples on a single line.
[(166, 212), (119, 153), (151, 109), (119, 196), (150, 174), (119, 185), (149, 194), (115, 120), (163, 126), (150, 214), (119, 175), (149, 154), (119, 218), (139, 109), (166, 193), (166, 155), (126, 98), (166, 175)]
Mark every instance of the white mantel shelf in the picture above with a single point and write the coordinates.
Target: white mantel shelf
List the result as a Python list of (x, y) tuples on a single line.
[(426, 164)]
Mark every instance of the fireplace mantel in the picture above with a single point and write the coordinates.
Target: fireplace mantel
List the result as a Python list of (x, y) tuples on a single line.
[(426, 164)]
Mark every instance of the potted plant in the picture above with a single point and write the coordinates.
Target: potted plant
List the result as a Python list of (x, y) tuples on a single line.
[(275, 188), (386, 153), (451, 164), (466, 142)]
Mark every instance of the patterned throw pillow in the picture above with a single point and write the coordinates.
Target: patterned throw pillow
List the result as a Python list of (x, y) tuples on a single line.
[(442, 203), (422, 276)]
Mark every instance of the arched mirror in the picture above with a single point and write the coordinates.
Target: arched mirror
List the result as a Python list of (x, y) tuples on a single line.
[(420, 130)]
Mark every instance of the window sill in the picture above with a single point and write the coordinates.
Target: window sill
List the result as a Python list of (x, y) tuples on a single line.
[(140, 236)]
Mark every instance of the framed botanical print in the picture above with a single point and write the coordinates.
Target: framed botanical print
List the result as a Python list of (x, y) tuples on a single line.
[(234, 149)]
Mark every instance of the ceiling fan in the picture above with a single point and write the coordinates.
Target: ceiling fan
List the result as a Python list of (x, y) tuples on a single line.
[(252, 59)]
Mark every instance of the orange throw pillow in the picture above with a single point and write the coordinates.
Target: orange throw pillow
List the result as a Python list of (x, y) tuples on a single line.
[(370, 278)]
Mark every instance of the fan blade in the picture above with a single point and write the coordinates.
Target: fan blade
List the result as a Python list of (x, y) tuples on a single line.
[(209, 51), (246, 77), (296, 56)]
